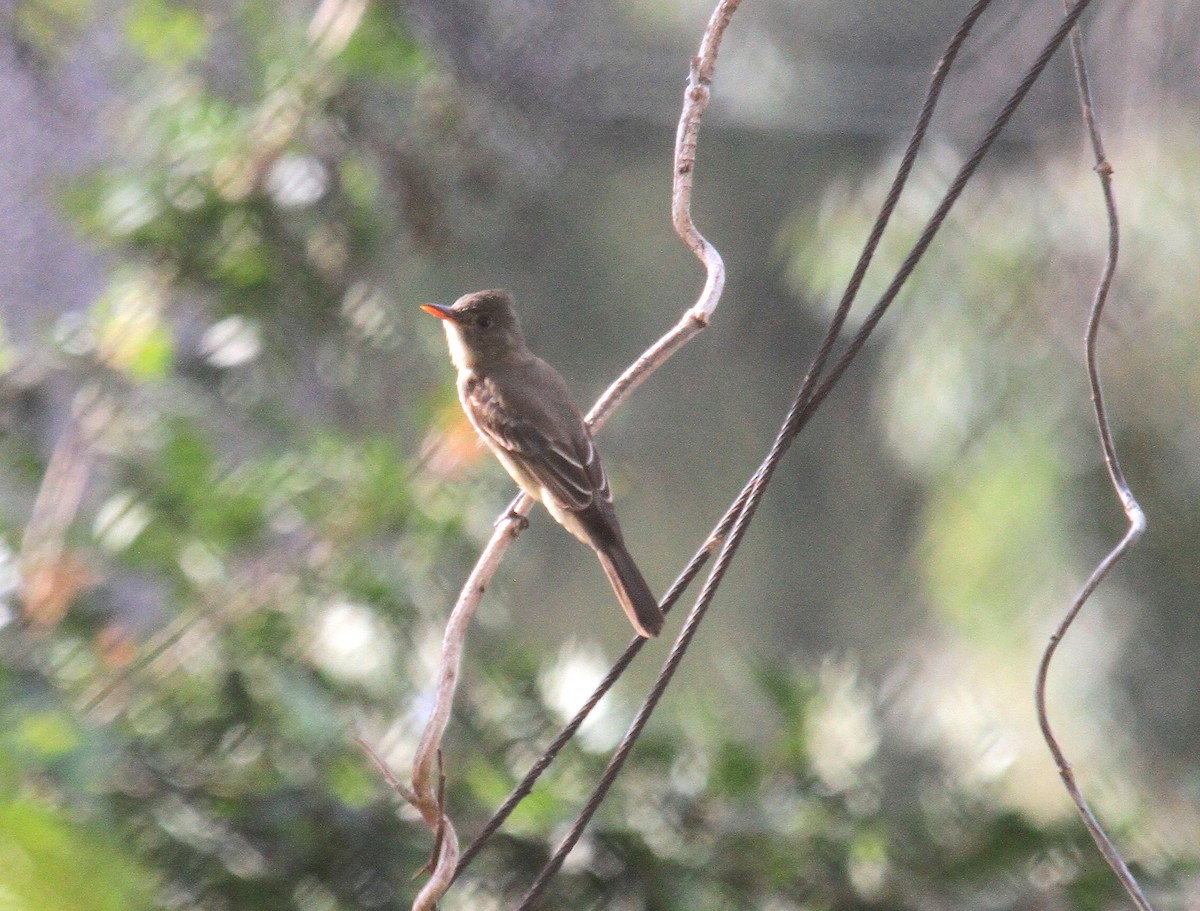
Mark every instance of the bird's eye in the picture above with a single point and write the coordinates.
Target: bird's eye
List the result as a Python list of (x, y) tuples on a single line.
[(484, 322)]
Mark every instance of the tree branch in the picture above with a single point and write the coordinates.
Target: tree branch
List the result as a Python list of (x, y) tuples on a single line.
[(511, 523)]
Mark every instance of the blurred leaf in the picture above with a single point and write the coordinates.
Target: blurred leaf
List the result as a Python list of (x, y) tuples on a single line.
[(222, 509), (7, 352), (49, 26), (352, 782), (48, 733), (130, 333), (165, 32), (381, 49), (991, 532), (51, 863), (737, 770)]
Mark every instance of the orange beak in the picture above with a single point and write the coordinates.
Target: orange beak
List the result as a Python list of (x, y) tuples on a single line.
[(440, 311)]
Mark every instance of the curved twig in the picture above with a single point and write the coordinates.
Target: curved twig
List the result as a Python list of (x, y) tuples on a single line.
[(424, 782), (1133, 512), (512, 522), (695, 102)]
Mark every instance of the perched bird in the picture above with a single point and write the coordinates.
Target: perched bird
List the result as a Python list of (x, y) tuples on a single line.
[(522, 408)]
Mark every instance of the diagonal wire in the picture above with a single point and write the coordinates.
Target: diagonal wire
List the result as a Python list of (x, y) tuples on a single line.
[(521, 791), (1133, 512), (800, 412)]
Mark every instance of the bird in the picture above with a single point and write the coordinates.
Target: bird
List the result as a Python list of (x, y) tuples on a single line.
[(522, 409)]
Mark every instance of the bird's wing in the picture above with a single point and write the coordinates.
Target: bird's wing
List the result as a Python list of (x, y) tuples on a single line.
[(553, 447)]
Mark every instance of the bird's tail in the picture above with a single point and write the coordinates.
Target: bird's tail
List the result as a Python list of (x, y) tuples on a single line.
[(641, 607)]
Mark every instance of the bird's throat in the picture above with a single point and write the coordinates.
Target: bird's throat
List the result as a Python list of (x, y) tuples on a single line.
[(460, 355)]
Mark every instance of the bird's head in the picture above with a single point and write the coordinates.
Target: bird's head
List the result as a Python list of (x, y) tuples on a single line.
[(481, 327)]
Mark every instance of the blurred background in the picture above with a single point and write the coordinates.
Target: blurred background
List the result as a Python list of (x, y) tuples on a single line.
[(238, 497)]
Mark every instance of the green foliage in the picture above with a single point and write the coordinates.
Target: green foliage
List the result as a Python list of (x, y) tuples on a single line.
[(46, 734), (1000, 509), (729, 823), (48, 26), (53, 862), (168, 34), (383, 51)]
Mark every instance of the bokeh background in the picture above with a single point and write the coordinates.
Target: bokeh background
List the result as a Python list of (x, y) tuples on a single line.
[(237, 496)]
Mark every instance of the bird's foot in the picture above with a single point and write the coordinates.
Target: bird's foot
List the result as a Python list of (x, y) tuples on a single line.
[(520, 521)]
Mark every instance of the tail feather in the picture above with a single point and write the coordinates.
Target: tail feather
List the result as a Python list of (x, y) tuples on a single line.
[(641, 607)]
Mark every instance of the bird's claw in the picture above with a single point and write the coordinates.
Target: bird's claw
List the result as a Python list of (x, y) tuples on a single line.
[(516, 518)]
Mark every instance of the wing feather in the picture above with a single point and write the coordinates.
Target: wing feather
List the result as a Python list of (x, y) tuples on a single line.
[(558, 454)]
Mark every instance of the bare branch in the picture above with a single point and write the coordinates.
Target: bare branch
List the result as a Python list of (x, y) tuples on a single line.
[(386, 771), (510, 525), (695, 102), (1133, 512), (452, 644), (333, 25), (49, 578)]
